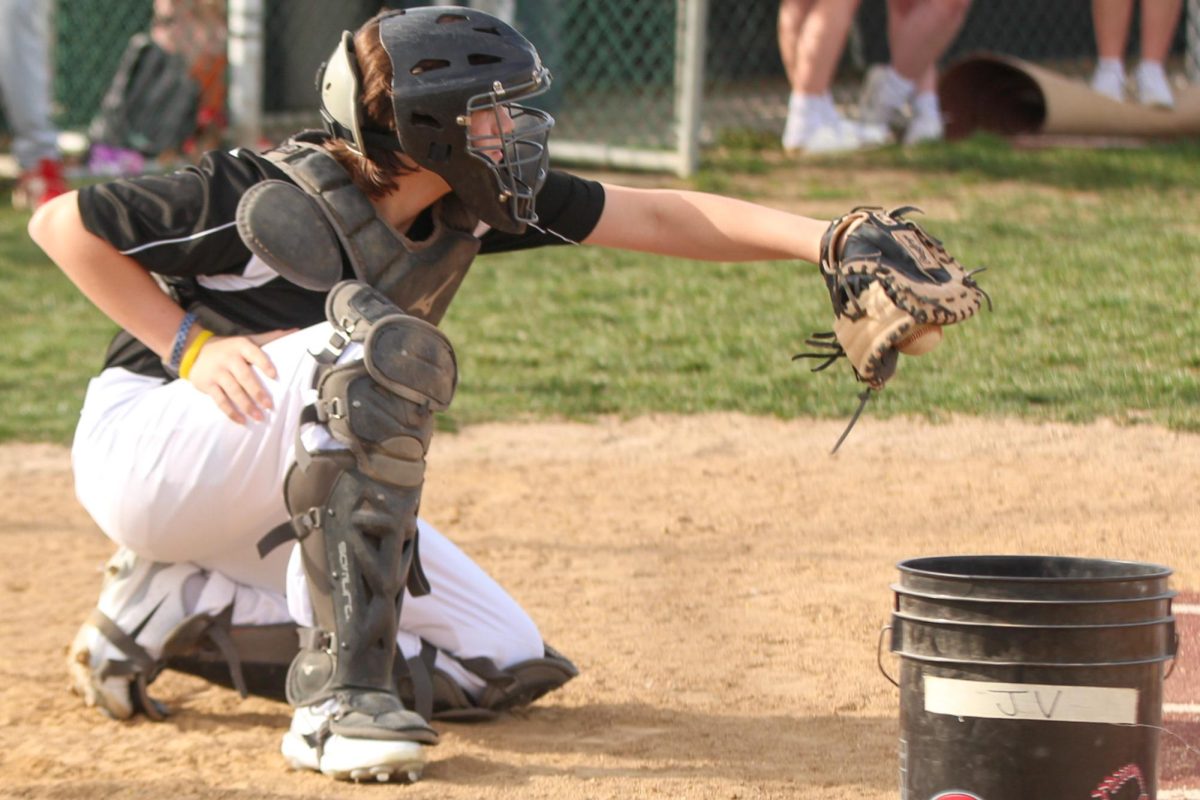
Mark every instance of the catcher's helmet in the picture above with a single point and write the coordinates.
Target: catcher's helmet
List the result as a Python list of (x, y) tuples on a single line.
[(448, 63)]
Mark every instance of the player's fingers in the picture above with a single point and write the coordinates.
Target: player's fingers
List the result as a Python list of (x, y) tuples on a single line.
[(238, 396), (255, 355), (249, 381), (223, 403)]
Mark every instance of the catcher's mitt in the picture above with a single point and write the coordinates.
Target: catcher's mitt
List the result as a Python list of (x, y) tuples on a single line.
[(893, 287)]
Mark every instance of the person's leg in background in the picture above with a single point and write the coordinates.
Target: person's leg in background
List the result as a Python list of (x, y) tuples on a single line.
[(25, 91), (1159, 18), (919, 33), (790, 24), (1110, 19), (812, 36)]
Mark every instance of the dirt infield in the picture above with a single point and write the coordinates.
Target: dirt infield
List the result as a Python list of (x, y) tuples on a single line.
[(721, 581)]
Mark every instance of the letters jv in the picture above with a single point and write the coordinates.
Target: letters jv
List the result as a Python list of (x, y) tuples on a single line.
[(1025, 702)]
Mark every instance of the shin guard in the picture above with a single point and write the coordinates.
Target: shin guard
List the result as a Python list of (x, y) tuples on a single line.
[(355, 509)]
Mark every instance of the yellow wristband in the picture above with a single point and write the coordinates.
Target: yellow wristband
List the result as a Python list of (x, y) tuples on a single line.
[(189, 355)]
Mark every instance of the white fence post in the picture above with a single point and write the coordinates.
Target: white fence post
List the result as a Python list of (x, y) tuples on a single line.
[(691, 21), (246, 71)]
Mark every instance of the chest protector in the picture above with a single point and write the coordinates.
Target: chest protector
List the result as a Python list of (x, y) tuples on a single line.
[(303, 229)]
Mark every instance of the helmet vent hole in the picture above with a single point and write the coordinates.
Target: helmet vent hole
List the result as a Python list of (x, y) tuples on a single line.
[(439, 152), (493, 30), (450, 18), (425, 121), (476, 59), (428, 65)]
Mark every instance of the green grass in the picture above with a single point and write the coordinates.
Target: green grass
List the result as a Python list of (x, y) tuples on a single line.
[(54, 340), (1092, 264)]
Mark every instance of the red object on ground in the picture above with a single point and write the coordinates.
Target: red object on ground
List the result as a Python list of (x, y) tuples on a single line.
[(39, 185)]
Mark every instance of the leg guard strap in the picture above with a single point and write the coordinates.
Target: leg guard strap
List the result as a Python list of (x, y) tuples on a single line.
[(435, 695), (252, 659), (139, 666)]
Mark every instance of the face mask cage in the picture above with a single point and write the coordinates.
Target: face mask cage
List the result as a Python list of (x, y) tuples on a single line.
[(511, 143)]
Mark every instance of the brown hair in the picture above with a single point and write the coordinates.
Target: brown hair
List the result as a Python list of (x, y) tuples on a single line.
[(376, 175)]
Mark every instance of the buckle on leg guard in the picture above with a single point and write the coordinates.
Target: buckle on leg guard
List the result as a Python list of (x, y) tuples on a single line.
[(341, 338)]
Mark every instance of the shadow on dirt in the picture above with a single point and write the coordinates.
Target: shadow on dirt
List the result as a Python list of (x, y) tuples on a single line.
[(632, 740)]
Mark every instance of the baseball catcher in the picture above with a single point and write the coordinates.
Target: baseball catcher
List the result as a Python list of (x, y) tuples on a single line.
[(256, 442), (893, 288)]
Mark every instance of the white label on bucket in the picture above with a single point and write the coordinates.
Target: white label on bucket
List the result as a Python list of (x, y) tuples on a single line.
[(1036, 701)]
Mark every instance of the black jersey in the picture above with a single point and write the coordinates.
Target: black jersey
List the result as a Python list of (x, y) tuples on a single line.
[(182, 228)]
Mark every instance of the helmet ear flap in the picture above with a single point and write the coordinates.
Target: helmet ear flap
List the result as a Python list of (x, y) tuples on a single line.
[(339, 86)]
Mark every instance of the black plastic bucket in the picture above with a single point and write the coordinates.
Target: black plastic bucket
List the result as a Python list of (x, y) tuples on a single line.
[(1030, 677)]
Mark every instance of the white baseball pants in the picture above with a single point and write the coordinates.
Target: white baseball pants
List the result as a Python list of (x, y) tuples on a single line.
[(163, 472)]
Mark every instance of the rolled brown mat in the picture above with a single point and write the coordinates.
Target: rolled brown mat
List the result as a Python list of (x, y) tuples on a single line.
[(1009, 96)]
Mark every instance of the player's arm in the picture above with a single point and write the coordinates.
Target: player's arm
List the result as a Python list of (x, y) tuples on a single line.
[(130, 297), (115, 283), (702, 226)]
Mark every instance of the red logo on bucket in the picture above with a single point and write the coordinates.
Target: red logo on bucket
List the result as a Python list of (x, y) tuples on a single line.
[(955, 796), (1110, 786)]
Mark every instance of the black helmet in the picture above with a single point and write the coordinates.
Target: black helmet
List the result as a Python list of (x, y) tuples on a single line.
[(447, 64)]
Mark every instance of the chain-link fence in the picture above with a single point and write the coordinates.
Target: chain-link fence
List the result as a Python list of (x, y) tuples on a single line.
[(637, 82)]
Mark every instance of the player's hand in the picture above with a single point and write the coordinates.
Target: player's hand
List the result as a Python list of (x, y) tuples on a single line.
[(224, 370)]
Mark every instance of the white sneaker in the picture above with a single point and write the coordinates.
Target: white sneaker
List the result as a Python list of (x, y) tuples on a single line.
[(311, 743), (1110, 82), (924, 128), (882, 101), (839, 137), (814, 126), (793, 133), (115, 653), (872, 135), (1153, 88)]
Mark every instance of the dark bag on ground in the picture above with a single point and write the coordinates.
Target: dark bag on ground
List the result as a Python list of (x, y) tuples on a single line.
[(151, 104)]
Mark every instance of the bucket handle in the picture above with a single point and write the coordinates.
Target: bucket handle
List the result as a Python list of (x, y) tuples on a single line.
[(879, 656)]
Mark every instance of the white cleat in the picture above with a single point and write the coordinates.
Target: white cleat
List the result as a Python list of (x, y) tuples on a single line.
[(308, 744)]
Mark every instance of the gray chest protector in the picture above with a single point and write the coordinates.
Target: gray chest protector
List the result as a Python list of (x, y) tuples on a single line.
[(301, 231)]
